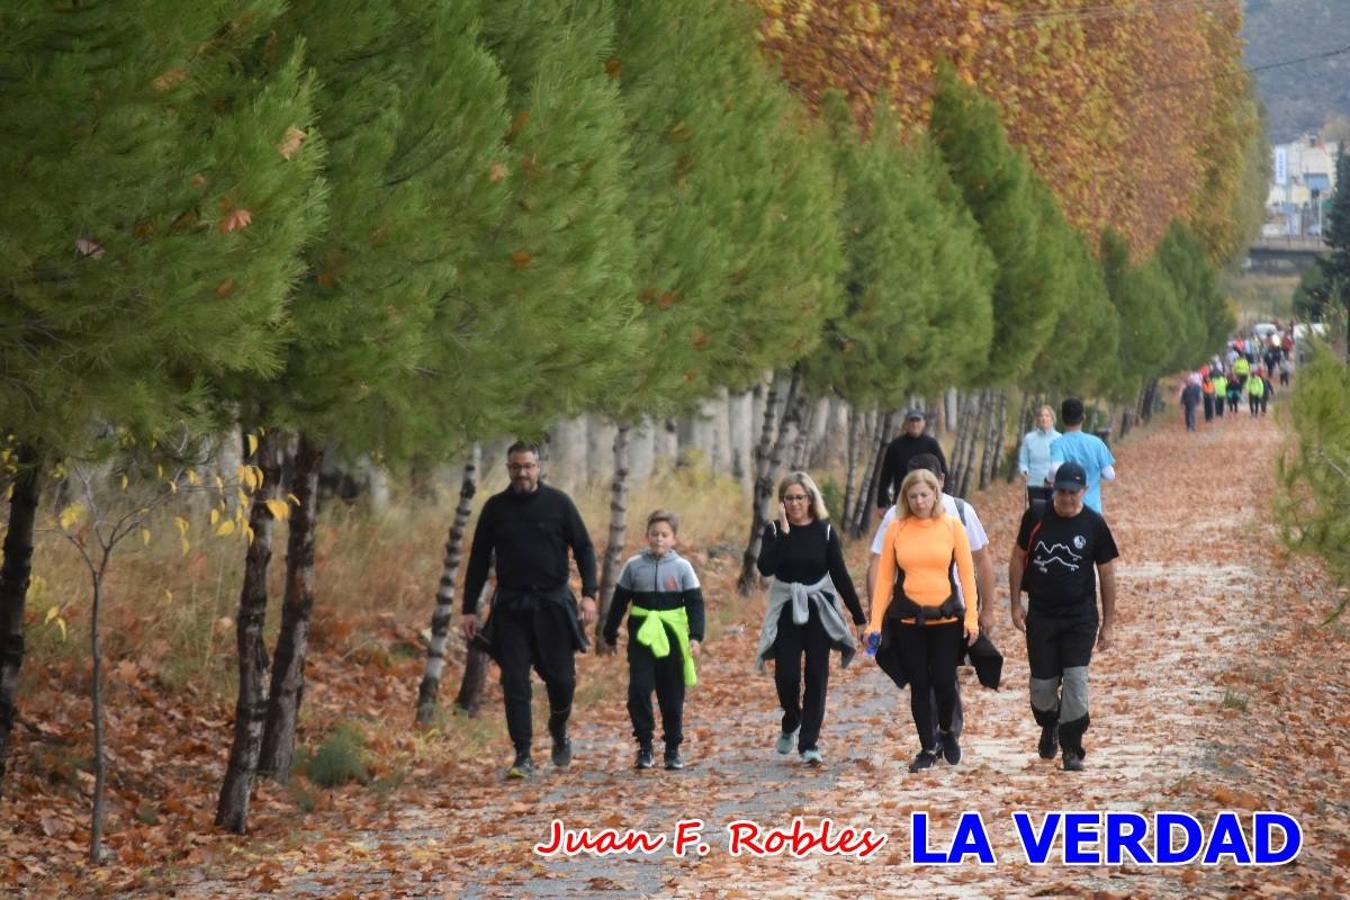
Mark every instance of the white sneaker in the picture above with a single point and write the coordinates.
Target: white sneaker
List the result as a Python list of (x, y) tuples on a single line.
[(786, 741), (813, 758)]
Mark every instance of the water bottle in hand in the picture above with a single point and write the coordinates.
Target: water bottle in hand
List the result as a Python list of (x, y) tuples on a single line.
[(873, 640)]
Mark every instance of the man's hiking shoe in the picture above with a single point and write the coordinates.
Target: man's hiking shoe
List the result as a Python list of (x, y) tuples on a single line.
[(1049, 745), (813, 757), (674, 761), (523, 767), (925, 760), (644, 758), (785, 742), (1073, 762), (951, 748), (562, 752)]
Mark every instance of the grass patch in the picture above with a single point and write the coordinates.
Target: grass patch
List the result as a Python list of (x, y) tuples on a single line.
[(1233, 700), (340, 759)]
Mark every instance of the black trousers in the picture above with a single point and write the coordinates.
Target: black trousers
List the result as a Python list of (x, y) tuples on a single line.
[(665, 676), (1209, 407), (1253, 404), (1059, 650), (534, 632), (929, 654), (806, 711), (1219, 401), (1190, 416)]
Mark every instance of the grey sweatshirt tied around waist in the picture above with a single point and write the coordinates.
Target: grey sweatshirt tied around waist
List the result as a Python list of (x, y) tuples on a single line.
[(822, 594)]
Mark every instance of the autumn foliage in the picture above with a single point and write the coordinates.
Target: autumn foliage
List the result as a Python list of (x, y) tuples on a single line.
[(1133, 111)]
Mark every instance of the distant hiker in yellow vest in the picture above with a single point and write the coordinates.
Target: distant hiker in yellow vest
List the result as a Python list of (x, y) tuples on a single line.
[(1256, 392)]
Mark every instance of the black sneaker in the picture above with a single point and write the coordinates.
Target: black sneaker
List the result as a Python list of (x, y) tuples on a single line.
[(644, 758), (523, 767), (562, 752), (1049, 745), (1073, 762), (925, 760), (951, 749), (673, 760)]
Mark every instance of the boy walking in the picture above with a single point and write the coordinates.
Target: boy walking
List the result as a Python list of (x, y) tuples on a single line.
[(665, 627)]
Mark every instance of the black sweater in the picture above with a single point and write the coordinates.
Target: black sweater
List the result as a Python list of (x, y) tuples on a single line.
[(530, 534), (804, 555), (895, 465)]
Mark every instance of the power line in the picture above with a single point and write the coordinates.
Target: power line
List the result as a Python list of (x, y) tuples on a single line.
[(1234, 73)]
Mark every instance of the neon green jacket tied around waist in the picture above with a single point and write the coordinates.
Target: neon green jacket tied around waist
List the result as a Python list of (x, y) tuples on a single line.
[(652, 634)]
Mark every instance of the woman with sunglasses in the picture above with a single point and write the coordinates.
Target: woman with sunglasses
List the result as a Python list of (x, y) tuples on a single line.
[(803, 554)]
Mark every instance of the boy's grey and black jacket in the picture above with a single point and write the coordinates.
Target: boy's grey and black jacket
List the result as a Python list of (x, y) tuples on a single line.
[(657, 582)]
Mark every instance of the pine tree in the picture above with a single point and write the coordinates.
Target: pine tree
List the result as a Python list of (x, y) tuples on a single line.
[(738, 242), (414, 112), (995, 180), (1142, 296), (159, 184), (545, 322), (918, 277), (560, 270), (1080, 356), (1206, 320), (1336, 265)]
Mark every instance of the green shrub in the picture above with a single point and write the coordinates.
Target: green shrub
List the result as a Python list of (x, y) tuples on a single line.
[(340, 758), (1314, 509), (834, 499)]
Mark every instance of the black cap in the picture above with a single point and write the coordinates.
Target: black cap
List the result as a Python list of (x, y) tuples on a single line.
[(1070, 477), (915, 413)]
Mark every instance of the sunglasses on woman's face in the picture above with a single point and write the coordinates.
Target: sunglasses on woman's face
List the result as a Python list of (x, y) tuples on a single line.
[(792, 498)]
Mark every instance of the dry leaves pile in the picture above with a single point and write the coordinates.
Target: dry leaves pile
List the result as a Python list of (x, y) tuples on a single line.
[(1223, 692)]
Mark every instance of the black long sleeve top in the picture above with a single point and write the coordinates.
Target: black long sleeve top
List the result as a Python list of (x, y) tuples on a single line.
[(805, 554), (895, 465), (530, 534)]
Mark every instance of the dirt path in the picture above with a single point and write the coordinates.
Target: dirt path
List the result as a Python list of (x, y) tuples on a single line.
[(1211, 699)]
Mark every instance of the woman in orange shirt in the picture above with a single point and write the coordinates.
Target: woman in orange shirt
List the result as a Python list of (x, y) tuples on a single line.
[(916, 611)]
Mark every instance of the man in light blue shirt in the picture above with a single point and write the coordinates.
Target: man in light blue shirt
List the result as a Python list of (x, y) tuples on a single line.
[(1033, 459), (1087, 450)]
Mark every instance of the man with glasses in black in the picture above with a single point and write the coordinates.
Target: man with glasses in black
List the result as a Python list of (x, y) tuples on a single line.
[(535, 620)]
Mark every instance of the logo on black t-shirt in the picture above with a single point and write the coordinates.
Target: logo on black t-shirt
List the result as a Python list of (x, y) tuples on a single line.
[(1045, 555)]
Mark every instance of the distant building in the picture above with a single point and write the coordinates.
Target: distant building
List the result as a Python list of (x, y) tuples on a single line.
[(1304, 179)]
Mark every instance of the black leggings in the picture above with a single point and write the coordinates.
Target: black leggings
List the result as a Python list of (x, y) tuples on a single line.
[(929, 655), (804, 710)]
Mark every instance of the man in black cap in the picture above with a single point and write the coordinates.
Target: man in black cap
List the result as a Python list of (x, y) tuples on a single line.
[(895, 466), (1053, 561), (535, 620)]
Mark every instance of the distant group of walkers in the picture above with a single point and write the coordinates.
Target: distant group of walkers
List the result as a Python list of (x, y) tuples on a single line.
[(1244, 370), (930, 579)]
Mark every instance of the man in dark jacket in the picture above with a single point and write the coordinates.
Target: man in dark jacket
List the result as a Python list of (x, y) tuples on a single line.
[(911, 442), (535, 623)]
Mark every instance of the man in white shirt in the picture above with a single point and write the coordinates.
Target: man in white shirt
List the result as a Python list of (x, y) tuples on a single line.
[(985, 583)]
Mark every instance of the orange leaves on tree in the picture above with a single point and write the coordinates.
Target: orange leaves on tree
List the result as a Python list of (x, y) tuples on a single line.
[(170, 79), (1080, 87), (236, 219), (291, 142)]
